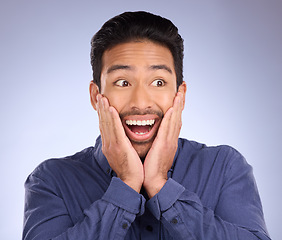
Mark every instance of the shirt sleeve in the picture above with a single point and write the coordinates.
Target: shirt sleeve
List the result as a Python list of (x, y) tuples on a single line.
[(238, 214), (46, 216)]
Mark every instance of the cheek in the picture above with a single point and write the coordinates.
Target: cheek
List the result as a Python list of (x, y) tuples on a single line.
[(118, 101), (165, 101)]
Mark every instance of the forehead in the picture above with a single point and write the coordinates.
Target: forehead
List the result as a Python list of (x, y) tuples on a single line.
[(137, 54)]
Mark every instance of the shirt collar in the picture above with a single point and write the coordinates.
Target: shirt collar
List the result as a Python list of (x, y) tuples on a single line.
[(103, 162), (100, 157)]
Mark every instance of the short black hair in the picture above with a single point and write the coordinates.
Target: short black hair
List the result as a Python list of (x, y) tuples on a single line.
[(131, 26)]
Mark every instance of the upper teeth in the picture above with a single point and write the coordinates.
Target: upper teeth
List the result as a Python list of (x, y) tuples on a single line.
[(139, 122)]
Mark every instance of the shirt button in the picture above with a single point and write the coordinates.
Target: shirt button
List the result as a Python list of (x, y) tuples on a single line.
[(124, 226), (149, 228), (174, 221)]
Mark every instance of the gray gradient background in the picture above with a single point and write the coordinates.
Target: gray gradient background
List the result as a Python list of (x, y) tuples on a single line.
[(233, 62)]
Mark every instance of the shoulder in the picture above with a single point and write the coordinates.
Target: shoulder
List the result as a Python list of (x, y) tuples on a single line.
[(221, 154), (58, 166), (185, 144)]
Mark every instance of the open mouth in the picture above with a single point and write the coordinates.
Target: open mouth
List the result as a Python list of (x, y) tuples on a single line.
[(141, 128)]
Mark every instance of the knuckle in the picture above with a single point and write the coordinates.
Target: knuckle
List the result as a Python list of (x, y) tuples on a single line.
[(105, 123)]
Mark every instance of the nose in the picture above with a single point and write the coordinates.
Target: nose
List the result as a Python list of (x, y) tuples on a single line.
[(141, 98)]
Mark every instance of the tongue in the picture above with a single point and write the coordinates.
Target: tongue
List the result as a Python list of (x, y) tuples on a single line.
[(139, 129)]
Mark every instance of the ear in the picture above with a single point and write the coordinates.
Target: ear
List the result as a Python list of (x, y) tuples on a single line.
[(94, 91), (182, 88)]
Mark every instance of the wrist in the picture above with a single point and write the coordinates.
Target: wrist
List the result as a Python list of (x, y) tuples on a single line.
[(135, 185), (152, 187)]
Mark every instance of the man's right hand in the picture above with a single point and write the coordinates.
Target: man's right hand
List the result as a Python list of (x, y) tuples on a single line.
[(116, 146)]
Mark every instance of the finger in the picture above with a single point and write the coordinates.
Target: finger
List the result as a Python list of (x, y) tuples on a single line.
[(175, 120), (112, 126), (169, 125), (178, 106), (104, 121), (181, 103), (165, 124), (101, 117), (178, 103), (116, 127)]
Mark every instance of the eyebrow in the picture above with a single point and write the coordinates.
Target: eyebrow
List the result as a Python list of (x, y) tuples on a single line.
[(127, 67), (164, 67), (118, 67)]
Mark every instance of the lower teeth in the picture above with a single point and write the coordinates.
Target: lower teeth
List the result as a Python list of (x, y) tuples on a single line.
[(140, 133)]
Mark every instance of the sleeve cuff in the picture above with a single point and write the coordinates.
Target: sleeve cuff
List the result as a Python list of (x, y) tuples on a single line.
[(165, 198), (119, 193)]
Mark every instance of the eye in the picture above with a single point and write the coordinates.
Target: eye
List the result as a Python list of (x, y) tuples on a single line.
[(122, 83), (158, 83)]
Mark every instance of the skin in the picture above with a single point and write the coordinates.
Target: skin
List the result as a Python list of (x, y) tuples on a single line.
[(138, 82)]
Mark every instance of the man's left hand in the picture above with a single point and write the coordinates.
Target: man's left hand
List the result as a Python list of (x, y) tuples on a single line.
[(160, 157)]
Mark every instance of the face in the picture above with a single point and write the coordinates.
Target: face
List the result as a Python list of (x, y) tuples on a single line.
[(139, 80)]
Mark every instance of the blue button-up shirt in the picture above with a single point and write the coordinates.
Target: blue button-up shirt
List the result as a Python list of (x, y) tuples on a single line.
[(210, 194)]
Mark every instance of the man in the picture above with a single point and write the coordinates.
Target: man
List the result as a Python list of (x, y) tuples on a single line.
[(141, 181)]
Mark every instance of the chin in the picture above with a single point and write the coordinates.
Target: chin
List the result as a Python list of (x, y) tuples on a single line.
[(142, 149)]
